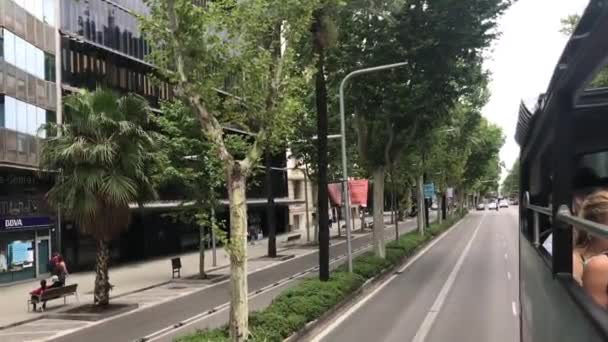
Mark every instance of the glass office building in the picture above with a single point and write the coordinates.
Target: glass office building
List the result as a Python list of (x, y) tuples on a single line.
[(28, 100)]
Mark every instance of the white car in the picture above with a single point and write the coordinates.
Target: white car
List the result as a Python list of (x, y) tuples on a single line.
[(481, 206), (504, 204), (492, 206)]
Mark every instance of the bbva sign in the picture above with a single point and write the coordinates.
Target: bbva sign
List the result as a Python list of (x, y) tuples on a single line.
[(13, 223)]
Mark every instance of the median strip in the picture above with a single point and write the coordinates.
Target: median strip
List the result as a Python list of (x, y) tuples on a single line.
[(294, 310)]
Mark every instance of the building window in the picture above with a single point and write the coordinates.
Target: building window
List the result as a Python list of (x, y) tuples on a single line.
[(49, 67), (43, 10), (22, 117), (297, 189), (1, 110), (27, 57)]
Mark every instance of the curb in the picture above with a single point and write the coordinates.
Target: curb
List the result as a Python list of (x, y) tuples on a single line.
[(352, 298), (279, 250)]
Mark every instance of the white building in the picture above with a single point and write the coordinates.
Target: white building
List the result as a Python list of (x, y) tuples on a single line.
[(300, 191)]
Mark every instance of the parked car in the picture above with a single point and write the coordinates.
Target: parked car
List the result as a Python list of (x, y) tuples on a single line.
[(434, 206), (504, 204), (492, 206), (481, 206)]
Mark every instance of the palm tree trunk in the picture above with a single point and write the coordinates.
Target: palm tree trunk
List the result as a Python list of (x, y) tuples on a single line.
[(102, 280), (378, 175), (239, 306)]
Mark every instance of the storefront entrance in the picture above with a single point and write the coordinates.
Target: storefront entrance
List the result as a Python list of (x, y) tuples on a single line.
[(43, 251), (25, 248)]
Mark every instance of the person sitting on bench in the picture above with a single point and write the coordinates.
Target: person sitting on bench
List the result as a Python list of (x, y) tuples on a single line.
[(37, 292), (55, 282)]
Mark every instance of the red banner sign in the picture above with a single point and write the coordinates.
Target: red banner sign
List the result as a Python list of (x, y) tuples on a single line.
[(335, 194), (358, 192)]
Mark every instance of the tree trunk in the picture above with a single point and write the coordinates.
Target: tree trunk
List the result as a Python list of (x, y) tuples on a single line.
[(444, 209), (239, 308), (306, 205), (395, 204), (318, 36), (362, 217), (440, 208), (201, 252), (378, 175), (397, 217), (102, 280), (420, 205), (353, 214), (270, 216)]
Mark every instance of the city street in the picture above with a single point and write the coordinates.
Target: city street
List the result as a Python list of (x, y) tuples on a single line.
[(464, 288), (150, 320)]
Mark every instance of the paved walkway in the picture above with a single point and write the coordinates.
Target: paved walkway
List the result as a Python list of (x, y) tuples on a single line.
[(129, 279)]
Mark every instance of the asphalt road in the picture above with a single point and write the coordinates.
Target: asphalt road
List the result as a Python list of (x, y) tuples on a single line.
[(149, 320), (464, 288)]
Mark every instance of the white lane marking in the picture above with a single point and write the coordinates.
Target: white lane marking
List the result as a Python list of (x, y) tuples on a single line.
[(514, 307), (427, 324), (509, 275), (172, 329), (40, 332), (335, 323), (506, 256), (253, 294), (249, 272)]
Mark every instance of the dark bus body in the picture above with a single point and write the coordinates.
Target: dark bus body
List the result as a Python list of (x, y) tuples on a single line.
[(564, 131)]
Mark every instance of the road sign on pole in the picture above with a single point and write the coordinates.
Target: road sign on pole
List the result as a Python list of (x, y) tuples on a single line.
[(429, 190)]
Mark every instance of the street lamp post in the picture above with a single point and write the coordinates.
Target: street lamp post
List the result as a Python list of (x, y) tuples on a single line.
[(344, 158)]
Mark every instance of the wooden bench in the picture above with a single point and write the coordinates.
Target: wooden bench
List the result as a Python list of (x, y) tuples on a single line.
[(54, 293), (293, 237)]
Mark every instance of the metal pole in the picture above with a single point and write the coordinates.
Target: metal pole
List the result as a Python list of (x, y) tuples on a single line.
[(536, 230), (59, 223), (344, 158)]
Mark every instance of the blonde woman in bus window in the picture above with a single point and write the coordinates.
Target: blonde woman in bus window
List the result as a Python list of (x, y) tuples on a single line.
[(580, 239), (595, 267)]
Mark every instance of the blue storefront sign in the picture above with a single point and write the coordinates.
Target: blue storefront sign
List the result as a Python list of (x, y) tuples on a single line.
[(24, 223), (429, 190)]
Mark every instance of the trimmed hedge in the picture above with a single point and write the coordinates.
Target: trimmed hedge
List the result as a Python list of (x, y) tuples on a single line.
[(311, 298)]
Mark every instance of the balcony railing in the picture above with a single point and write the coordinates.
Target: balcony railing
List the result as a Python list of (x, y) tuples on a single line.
[(19, 148)]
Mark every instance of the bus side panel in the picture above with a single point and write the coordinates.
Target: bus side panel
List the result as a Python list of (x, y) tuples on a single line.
[(548, 313)]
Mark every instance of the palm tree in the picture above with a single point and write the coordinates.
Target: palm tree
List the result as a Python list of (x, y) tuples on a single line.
[(101, 151)]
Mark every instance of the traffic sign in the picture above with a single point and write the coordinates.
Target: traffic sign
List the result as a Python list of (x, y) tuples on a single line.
[(429, 190)]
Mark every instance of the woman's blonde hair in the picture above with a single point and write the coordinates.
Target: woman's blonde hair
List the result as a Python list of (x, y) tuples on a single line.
[(595, 207)]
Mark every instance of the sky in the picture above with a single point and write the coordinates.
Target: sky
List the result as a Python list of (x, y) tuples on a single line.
[(522, 60)]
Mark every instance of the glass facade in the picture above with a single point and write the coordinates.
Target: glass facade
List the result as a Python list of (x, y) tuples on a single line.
[(17, 257), (27, 57), (107, 23), (22, 117), (44, 10), (85, 66)]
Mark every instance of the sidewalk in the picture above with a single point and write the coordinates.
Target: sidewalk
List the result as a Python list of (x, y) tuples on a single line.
[(129, 278)]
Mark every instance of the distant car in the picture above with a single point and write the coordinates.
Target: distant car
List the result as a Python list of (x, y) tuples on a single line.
[(481, 206), (504, 204), (434, 206), (492, 206)]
